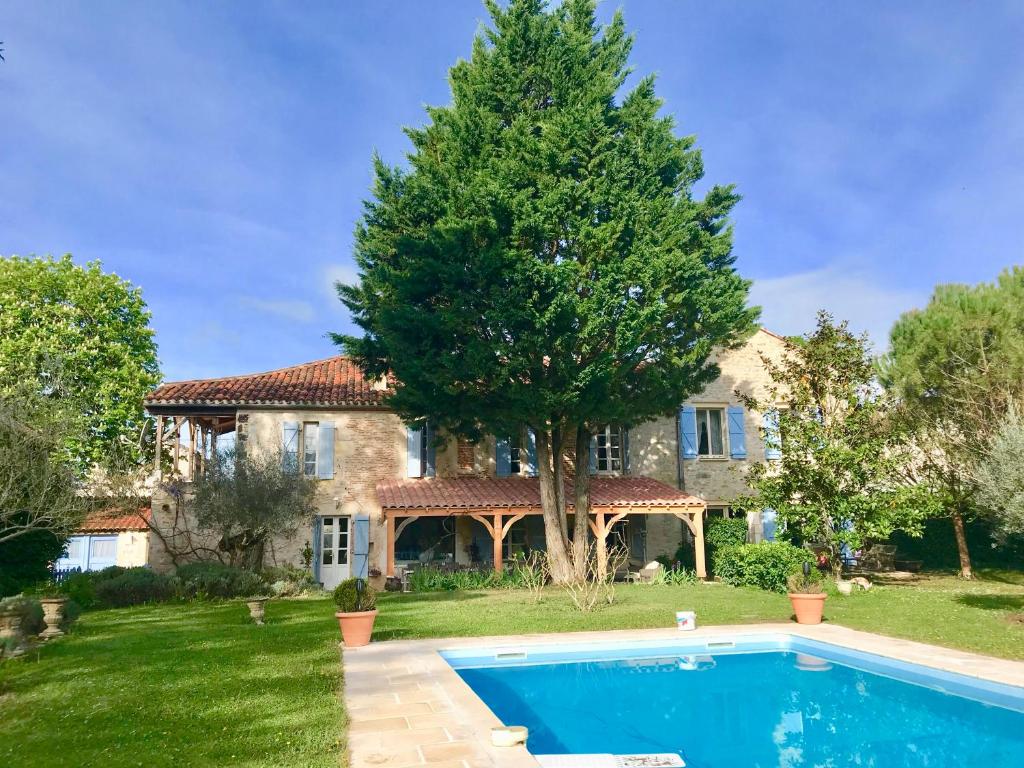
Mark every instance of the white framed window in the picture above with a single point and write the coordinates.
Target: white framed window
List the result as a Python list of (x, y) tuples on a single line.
[(711, 432), (310, 443), (608, 449)]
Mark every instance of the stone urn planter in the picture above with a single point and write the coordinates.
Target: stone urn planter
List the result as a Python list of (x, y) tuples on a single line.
[(53, 612), (10, 622), (357, 611), (257, 609)]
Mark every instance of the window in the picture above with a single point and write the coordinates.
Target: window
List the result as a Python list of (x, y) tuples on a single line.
[(711, 432), (328, 541), (608, 449), (310, 440), (725, 511), (515, 452)]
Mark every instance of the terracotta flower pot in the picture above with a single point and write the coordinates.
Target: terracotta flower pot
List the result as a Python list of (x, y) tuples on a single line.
[(53, 612), (357, 627), (807, 608)]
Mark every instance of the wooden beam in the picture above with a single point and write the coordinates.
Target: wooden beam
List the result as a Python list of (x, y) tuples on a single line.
[(390, 542), (498, 537), (695, 522), (158, 446)]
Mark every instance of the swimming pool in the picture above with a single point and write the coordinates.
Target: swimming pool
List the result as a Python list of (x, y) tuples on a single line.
[(758, 701)]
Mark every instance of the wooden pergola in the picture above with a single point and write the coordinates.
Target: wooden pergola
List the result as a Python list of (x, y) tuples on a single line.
[(481, 499)]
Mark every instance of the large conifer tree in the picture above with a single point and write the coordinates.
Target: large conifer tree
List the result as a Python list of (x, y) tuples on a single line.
[(542, 260)]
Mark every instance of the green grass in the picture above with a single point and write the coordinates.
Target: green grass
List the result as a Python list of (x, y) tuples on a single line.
[(938, 609), (199, 685), (179, 685)]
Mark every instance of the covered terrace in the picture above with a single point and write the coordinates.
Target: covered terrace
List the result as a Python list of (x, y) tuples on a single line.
[(498, 503)]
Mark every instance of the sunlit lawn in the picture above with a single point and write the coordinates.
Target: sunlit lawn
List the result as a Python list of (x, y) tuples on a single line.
[(199, 685), (179, 685)]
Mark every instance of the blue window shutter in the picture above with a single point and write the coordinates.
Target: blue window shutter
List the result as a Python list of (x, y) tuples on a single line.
[(531, 453), (361, 547), (430, 454), (414, 445), (688, 431), (593, 454), (325, 451), (768, 524), (318, 546), (502, 457), (772, 435), (737, 432), (625, 450), (290, 445)]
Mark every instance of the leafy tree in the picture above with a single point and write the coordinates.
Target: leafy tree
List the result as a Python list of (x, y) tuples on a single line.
[(838, 481), (39, 501), (999, 476), (247, 498), (955, 367), (38, 488), (90, 330), (543, 261)]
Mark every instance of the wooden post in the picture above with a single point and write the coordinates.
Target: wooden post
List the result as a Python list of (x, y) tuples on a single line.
[(390, 535), (176, 453), (695, 522), (158, 446), (496, 535), (698, 543)]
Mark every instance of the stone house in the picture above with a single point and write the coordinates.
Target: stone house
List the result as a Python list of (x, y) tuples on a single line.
[(390, 495)]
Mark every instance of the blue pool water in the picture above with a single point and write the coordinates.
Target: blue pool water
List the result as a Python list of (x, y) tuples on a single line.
[(767, 705)]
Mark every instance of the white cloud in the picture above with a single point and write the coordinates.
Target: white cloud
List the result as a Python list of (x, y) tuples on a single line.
[(297, 311), (789, 303), (341, 273)]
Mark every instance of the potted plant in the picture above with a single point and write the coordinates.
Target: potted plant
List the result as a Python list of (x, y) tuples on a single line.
[(53, 612), (806, 596), (357, 610), (257, 607)]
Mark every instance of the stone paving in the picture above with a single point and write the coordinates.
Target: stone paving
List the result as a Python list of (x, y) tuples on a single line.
[(408, 708)]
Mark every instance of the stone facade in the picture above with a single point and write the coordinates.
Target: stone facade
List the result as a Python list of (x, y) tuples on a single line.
[(655, 451), (370, 446)]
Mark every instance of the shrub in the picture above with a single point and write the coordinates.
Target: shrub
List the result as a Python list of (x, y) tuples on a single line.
[(438, 580), (674, 577), (205, 580), (288, 581), (133, 587), (767, 565), (80, 587), (720, 532), (348, 600), (799, 584)]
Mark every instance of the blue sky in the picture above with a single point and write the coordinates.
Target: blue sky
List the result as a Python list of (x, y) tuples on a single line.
[(216, 154)]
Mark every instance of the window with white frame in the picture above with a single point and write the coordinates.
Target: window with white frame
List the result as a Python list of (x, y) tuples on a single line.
[(711, 432), (608, 449), (310, 441)]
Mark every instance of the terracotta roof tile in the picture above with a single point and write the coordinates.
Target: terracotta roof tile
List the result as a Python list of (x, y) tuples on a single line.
[(115, 520), (336, 381), (502, 492)]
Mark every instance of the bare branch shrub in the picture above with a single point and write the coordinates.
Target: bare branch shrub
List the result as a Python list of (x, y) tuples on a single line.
[(596, 586)]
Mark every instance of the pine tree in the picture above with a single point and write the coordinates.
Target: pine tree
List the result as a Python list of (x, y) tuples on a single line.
[(542, 261)]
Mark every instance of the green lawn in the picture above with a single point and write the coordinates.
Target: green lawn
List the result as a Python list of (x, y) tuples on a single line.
[(944, 610), (179, 685), (198, 685)]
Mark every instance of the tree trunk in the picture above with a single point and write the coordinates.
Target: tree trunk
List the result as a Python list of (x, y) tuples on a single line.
[(558, 462), (554, 516), (581, 505), (961, 544)]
